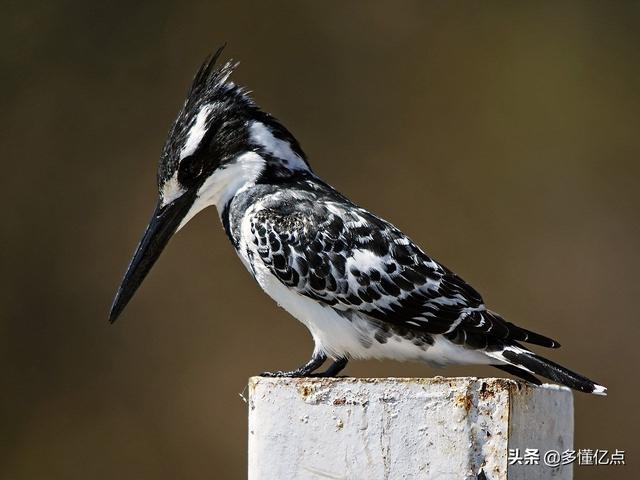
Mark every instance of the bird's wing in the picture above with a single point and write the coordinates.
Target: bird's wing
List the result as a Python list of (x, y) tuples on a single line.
[(345, 257)]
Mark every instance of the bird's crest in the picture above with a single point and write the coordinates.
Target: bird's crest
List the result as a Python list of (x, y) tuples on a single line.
[(210, 80), (210, 92)]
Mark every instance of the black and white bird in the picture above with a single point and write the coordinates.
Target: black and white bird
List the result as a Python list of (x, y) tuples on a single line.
[(360, 285)]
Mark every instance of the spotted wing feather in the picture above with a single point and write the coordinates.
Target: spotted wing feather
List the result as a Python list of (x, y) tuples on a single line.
[(347, 258)]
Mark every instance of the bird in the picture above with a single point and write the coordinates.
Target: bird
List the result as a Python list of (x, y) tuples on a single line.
[(361, 286)]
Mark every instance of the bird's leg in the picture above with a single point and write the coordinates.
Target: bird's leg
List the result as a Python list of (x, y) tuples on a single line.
[(334, 369), (303, 371)]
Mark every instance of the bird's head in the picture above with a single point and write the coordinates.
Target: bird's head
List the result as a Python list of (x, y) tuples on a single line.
[(220, 143)]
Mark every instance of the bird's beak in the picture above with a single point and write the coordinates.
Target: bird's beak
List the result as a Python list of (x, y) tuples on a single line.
[(163, 224)]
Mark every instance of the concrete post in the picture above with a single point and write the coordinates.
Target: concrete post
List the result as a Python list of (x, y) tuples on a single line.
[(405, 428)]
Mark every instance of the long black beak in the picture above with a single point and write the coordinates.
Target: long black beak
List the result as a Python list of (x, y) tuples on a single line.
[(163, 224)]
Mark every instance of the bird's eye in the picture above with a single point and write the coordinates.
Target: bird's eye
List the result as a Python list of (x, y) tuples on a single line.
[(189, 170)]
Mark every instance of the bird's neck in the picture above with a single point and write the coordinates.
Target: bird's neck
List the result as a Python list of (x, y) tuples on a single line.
[(272, 154), (267, 159)]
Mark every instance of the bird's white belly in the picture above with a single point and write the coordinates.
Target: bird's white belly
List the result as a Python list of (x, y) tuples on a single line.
[(332, 333)]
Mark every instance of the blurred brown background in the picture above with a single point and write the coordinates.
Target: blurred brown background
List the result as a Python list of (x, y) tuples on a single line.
[(502, 137)]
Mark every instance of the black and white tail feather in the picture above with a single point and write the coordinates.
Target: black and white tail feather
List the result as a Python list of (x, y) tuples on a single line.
[(522, 362), (362, 287)]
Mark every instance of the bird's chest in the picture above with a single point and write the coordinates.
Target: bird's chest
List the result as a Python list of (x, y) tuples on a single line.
[(247, 250), (329, 329), (297, 305)]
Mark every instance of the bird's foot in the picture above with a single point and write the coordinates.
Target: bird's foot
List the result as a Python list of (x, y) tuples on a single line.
[(303, 371), (281, 374)]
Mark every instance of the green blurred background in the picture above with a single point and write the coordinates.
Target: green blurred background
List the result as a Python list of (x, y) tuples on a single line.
[(501, 136)]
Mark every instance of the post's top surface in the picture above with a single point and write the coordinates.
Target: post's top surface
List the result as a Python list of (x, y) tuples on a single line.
[(503, 384)]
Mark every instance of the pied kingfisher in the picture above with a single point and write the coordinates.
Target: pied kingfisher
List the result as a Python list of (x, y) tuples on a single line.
[(360, 285)]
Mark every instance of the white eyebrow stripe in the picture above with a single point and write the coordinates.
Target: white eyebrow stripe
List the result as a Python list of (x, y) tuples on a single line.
[(196, 132), (281, 149)]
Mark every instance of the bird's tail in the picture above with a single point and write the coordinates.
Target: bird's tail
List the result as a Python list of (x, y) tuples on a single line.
[(522, 362)]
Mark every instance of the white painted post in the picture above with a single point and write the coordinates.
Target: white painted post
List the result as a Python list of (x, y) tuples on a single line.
[(405, 428)]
